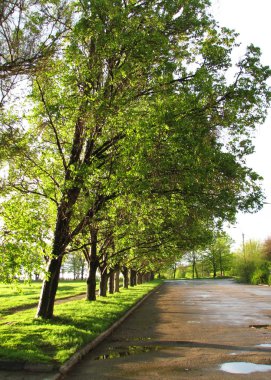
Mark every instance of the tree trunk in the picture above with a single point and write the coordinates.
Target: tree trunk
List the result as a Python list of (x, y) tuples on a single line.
[(111, 282), (91, 281), (139, 278), (196, 271), (49, 289), (93, 266), (103, 283), (117, 281), (193, 269), (214, 271), (82, 269), (61, 240), (132, 277), (151, 276), (125, 273), (221, 266), (174, 271)]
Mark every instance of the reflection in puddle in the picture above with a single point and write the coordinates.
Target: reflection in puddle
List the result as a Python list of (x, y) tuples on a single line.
[(259, 326), (120, 352), (197, 322), (141, 339), (244, 367), (264, 345)]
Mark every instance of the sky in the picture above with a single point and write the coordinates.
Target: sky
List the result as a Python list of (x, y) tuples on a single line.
[(251, 19)]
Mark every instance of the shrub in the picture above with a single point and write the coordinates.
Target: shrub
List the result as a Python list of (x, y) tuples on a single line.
[(261, 275)]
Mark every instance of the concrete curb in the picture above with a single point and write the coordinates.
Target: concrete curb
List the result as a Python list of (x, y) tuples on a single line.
[(75, 358), (10, 365)]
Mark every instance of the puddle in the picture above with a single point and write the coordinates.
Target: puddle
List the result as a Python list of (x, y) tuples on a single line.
[(194, 322), (265, 345), (141, 339), (120, 352), (244, 367), (259, 326)]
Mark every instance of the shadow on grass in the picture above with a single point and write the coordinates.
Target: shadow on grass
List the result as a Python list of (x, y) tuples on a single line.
[(74, 324)]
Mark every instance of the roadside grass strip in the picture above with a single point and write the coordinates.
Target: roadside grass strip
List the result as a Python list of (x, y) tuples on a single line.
[(76, 323), (24, 295)]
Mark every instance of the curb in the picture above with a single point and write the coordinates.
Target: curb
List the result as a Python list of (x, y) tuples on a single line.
[(75, 358)]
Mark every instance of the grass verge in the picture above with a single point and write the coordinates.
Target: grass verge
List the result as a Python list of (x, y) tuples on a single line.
[(24, 338), (23, 295)]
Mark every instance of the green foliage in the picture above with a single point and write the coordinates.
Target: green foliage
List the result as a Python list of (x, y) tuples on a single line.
[(249, 264), (24, 237), (261, 275), (135, 128)]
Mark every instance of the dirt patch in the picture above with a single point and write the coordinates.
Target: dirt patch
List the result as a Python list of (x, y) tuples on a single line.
[(16, 309)]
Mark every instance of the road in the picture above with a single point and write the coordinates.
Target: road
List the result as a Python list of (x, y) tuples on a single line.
[(188, 330)]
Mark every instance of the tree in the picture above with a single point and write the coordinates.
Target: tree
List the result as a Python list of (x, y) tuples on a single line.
[(137, 101), (75, 263), (218, 254), (249, 264), (267, 249)]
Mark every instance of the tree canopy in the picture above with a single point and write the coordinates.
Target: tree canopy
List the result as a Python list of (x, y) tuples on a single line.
[(133, 128)]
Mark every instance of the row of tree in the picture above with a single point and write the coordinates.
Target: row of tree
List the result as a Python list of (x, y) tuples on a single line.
[(130, 144), (250, 263)]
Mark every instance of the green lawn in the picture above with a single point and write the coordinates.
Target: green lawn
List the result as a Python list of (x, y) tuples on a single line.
[(76, 323), (12, 297)]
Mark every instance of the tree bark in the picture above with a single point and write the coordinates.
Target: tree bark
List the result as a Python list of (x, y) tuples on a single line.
[(91, 281), (49, 289), (103, 283), (214, 270), (125, 273), (93, 266), (132, 277), (139, 278), (82, 269), (111, 282), (61, 240), (117, 281)]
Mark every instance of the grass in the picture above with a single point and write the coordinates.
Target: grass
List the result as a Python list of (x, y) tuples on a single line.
[(24, 338), (12, 297)]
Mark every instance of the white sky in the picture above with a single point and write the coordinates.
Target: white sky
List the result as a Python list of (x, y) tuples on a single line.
[(251, 19)]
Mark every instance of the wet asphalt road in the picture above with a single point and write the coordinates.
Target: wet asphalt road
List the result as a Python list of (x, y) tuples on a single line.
[(187, 330)]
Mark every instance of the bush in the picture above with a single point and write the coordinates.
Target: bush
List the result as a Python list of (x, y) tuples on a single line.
[(260, 276), (244, 270), (252, 271)]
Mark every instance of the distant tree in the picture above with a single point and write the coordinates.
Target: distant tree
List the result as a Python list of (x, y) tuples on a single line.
[(218, 255), (267, 249), (250, 265), (75, 264)]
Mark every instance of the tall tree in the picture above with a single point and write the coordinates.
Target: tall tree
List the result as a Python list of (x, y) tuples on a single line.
[(137, 99)]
